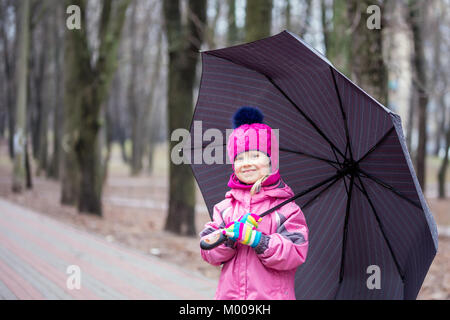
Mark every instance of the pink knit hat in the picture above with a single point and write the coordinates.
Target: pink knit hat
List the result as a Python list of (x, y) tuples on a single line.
[(251, 134)]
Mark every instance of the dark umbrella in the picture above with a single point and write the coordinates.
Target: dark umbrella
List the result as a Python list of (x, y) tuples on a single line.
[(372, 235)]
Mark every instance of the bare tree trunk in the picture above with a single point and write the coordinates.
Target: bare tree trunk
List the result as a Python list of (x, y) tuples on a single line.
[(40, 145), (444, 165), (411, 118), (76, 69), (232, 31), (258, 19), (438, 79), (337, 34), (211, 26), (325, 26), (287, 15), (306, 21), (133, 104), (183, 49), (88, 153), (58, 103), (441, 81), (116, 125), (9, 54), (28, 175), (416, 21), (139, 106), (440, 127), (107, 139), (152, 135), (439, 133), (86, 90), (366, 52), (20, 134), (149, 110), (36, 93)]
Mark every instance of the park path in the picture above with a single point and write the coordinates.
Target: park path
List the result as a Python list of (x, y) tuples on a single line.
[(36, 252)]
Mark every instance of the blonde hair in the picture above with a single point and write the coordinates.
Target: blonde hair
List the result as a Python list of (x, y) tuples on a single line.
[(257, 185)]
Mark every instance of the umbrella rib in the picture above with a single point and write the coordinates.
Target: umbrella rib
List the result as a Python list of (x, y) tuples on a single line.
[(317, 195), (331, 162), (344, 241), (344, 117), (301, 193), (333, 147), (380, 225), (377, 144), (391, 188), (335, 156), (346, 188)]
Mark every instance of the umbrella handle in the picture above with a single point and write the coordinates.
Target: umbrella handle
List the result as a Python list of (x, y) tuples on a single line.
[(212, 240)]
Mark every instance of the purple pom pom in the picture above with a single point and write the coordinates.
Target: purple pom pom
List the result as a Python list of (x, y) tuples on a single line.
[(247, 115)]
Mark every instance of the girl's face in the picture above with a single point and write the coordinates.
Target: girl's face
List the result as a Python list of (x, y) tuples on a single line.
[(249, 166)]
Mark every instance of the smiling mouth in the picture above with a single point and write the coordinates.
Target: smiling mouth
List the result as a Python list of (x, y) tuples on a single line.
[(245, 171)]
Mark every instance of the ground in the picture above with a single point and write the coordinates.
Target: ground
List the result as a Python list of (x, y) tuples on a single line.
[(134, 211)]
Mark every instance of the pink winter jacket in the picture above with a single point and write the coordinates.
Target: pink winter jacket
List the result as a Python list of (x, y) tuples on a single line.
[(268, 270)]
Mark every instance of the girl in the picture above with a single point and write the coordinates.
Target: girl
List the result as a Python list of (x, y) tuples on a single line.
[(261, 255)]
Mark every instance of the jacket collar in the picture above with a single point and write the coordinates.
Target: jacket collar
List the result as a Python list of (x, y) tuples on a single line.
[(277, 189), (235, 183)]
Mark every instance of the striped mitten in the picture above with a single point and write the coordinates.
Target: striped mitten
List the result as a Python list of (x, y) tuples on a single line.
[(250, 219), (243, 233)]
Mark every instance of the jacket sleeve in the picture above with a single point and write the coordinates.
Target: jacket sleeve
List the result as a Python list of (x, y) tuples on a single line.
[(223, 252), (287, 248)]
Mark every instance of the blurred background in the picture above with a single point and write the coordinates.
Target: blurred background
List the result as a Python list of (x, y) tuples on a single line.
[(91, 91)]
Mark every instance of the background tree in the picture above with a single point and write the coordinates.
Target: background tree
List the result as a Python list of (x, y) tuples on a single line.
[(232, 30), (87, 85), (184, 43), (297, 20), (150, 114), (40, 95), (416, 20), (8, 54), (336, 25), (133, 103), (355, 49), (440, 87), (368, 68), (20, 132), (57, 33), (258, 19), (442, 173), (211, 24)]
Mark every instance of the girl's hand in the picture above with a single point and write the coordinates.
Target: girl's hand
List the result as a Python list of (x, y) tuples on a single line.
[(242, 232), (250, 219)]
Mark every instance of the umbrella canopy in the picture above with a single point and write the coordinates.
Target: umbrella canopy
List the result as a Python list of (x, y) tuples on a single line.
[(372, 235)]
